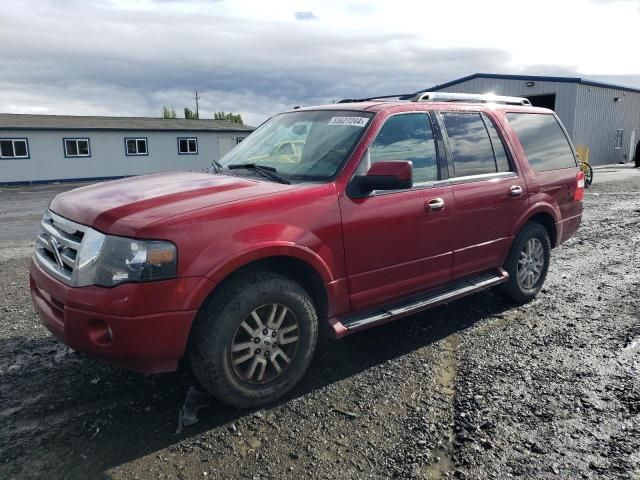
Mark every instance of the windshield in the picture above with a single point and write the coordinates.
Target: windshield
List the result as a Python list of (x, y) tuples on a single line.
[(304, 145)]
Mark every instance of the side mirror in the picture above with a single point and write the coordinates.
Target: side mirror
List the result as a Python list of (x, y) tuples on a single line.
[(383, 176)]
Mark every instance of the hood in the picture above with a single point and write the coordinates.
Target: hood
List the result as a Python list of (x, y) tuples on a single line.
[(124, 206)]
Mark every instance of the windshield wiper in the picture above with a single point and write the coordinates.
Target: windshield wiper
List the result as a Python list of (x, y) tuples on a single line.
[(216, 164), (214, 168), (265, 171)]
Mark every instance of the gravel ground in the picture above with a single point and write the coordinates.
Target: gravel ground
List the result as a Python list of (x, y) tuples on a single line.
[(475, 389)]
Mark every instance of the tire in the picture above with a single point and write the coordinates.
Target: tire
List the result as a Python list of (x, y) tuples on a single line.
[(531, 236), (234, 358), (588, 177)]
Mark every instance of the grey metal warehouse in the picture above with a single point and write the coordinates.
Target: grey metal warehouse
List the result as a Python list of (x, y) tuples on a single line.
[(603, 120), (37, 148)]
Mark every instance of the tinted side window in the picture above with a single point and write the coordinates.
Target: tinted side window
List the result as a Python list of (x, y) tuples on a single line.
[(543, 140), (408, 136), (470, 144), (502, 161)]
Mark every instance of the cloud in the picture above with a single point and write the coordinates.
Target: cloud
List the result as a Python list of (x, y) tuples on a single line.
[(360, 8), (135, 64), (627, 80), (611, 2), (305, 16), (115, 58)]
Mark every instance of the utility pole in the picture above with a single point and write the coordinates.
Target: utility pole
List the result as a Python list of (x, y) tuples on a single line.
[(196, 98)]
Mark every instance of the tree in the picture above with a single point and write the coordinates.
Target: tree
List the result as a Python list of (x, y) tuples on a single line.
[(169, 112), (190, 114), (230, 117)]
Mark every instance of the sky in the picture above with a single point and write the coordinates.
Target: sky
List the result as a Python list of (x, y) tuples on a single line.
[(257, 58)]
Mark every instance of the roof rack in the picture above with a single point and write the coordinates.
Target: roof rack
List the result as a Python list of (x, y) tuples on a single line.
[(402, 96), (446, 97), (469, 98)]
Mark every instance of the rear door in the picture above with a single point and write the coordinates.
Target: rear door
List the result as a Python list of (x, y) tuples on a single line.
[(395, 243), (489, 192), (552, 166)]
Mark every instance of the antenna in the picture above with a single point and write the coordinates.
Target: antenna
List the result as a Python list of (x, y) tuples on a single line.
[(196, 98)]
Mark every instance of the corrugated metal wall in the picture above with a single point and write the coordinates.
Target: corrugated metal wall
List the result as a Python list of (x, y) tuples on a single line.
[(565, 93), (597, 119), (589, 113)]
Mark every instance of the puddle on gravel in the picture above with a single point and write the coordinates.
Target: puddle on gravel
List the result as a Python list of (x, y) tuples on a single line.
[(446, 382)]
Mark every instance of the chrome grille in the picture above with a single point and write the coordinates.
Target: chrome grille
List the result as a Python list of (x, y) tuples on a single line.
[(63, 248), (58, 244)]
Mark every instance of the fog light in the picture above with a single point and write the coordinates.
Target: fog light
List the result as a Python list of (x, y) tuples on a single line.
[(100, 332)]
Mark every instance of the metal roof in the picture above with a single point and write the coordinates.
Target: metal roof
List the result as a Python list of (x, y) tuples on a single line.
[(72, 122), (540, 78)]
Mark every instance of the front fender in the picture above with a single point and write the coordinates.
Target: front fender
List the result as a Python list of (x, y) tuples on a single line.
[(336, 288), (225, 267)]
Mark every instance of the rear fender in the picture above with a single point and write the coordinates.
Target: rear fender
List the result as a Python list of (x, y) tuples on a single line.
[(534, 209)]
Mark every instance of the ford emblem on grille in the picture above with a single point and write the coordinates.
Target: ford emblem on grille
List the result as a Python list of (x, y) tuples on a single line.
[(57, 248)]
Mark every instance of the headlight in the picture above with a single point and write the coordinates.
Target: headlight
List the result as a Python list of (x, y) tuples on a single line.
[(130, 260)]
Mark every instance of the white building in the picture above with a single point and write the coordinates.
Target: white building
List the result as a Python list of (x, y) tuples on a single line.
[(601, 119), (41, 148)]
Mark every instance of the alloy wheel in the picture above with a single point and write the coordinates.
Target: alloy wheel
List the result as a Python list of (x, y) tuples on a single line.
[(530, 263), (265, 344)]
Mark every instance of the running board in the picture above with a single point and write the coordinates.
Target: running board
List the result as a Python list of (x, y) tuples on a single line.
[(424, 301)]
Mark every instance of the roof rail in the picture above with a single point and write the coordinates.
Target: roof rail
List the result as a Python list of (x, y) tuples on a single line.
[(469, 98), (401, 96)]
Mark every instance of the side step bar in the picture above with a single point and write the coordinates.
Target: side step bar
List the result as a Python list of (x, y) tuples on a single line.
[(424, 301)]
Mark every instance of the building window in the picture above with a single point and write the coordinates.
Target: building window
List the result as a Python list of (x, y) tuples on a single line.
[(136, 146), (14, 148), (76, 147), (619, 137), (239, 139), (187, 146)]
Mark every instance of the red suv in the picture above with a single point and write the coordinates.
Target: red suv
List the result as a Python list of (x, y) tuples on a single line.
[(353, 214)]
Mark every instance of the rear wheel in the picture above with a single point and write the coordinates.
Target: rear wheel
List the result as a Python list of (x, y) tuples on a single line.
[(527, 263), (254, 339)]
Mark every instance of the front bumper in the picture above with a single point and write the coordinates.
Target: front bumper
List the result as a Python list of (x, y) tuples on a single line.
[(142, 327)]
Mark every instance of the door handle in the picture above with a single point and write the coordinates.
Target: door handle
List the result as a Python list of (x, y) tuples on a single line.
[(515, 190), (434, 204)]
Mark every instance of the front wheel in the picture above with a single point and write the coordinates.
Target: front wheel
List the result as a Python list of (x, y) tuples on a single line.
[(527, 263), (254, 338)]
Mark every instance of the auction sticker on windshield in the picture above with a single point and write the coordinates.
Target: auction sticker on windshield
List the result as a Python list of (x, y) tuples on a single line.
[(349, 121)]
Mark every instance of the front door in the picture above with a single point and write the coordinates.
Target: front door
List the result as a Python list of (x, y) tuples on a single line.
[(490, 194), (398, 242)]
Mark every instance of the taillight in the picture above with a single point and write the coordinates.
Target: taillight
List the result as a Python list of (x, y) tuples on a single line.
[(579, 193)]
